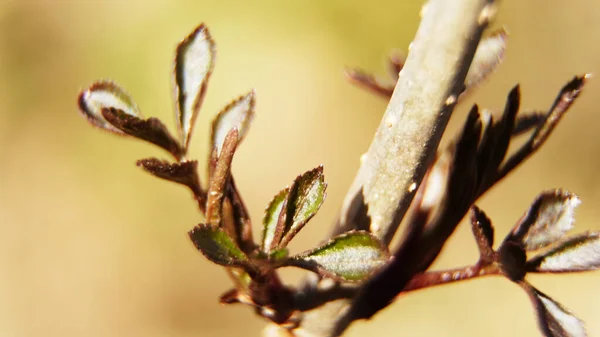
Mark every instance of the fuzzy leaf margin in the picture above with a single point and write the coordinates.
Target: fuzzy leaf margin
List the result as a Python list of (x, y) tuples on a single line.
[(554, 320), (577, 253), (487, 58), (194, 62), (353, 257), (151, 130), (217, 246), (184, 173), (306, 196), (103, 95), (548, 219), (237, 114), (272, 218), (483, 231)]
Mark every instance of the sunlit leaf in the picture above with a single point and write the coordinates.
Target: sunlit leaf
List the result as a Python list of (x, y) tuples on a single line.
[(103, 95), (547, 220), (217, 246), (304, 200), (488, 56), (193, 66), (238, 114), (351, 257), (553, 319), (183, 173), (578, 253), (272, 217), (151, 130)]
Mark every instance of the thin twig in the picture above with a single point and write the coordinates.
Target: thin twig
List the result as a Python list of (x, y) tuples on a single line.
[(441, 277)]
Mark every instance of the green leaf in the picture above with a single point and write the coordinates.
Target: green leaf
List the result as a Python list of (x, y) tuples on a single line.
[(217, 246), (352, 256), (578, 253), (304, 200), (193, 66), (106, 95), (237, 114), (270, 221)]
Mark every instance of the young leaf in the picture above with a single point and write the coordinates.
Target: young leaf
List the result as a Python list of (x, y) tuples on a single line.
[(370, 82), (184, 173), (238, 114), (561, 105), (396, 62), (553, 319), (304, 200), (488, 56), (103, 95), (271, 220), (217, 246), (484, 234), (352, 256), (241, 222), (504, 128), (527, 122), (454, 174), (279, 254), (578, 253), (193, 66), (151, 130), (547, 220)]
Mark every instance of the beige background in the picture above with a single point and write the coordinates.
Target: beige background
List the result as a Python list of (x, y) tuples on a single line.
[(92, 246)]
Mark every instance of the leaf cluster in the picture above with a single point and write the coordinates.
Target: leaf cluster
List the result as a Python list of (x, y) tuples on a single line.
[(225, 237), (478, 159)]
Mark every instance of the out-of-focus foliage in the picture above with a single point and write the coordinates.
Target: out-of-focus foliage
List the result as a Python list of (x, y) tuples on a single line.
[(92, 246)]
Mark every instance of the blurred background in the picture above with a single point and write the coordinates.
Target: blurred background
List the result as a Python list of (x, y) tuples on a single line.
[(90, 245)]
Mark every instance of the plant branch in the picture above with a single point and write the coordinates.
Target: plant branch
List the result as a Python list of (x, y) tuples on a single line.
[(441, 277), (409, 134)]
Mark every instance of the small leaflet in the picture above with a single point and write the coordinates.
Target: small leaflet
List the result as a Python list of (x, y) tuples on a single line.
[(106, 95), (194, 63)]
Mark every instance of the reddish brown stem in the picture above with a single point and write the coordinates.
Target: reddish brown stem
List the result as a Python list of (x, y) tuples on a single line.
[(436, 278)]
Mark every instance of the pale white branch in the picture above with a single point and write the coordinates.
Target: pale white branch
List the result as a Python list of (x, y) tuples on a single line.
[(409, 133)]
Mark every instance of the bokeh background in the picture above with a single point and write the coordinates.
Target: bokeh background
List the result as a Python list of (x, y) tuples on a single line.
[(92, 246)]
